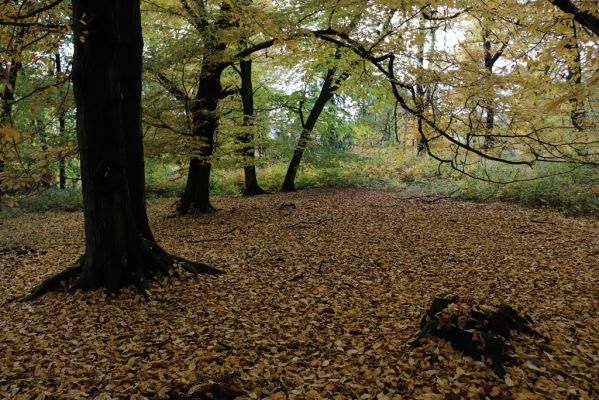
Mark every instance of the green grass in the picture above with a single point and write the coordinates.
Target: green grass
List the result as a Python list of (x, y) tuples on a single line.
[(574, 191), (51, 199)]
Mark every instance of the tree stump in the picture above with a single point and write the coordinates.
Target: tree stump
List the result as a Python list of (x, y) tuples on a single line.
[(480, 335)]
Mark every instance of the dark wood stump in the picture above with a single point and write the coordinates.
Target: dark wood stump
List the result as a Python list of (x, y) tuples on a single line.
[(477, 334)]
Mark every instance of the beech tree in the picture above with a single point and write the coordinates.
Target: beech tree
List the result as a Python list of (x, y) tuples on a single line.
[(210, 23), (452, 125), (248, 152), (120, 249), (330, 84)]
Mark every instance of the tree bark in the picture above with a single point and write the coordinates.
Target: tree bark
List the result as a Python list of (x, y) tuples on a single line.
[(115, 251), (490, 58), (490, 110), (248, 150), (118, 249), (205, 118), (421, 89), (575, 76), (326, 93), (62, 179), (130, 69)]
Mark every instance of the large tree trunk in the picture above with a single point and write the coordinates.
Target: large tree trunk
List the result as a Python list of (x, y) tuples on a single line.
[(248, 151), (130, 67), (326, 93), (118, 249)]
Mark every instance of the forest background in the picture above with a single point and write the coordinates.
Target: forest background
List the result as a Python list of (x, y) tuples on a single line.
[(496, 101)]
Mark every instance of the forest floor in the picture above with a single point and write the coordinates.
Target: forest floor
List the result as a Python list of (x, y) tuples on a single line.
[(324, 289)]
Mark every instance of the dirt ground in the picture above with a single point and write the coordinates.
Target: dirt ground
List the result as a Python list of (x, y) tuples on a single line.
[(324, 289)]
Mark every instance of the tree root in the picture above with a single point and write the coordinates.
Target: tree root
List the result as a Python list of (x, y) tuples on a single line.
[(254, 192), (55, 282), (195, 268), (192, 208), (149, 261)]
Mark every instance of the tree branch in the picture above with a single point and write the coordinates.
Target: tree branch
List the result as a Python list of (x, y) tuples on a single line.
[(585, 18), (172, 88)]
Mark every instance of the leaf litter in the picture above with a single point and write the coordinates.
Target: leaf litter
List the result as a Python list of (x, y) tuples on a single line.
[(324, 291)]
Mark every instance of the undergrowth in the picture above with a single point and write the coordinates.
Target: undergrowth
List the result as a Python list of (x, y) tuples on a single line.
[(572, 190)]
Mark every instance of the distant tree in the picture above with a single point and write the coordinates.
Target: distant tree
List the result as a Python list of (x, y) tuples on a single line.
[(330, 84), (28, 31), (211, 22), (248, 151), (120, 249)]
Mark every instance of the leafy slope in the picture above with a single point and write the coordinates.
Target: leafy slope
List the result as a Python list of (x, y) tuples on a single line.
[(319, 300)]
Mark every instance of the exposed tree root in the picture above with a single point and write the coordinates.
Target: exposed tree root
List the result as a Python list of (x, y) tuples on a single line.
[(186, 208), (144, 264), (254, 191), (477, 334), (288, 189), (55, 282)]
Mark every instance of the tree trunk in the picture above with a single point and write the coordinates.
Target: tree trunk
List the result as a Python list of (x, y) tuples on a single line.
[(326, 93), (422, 142), (489, 108), (421, 89), (585, 18), (248, 151), (205, 117), (575, 76), (196, 198), (62, 179), (115, 253), (118, 251), (8, 96), (130, 67)]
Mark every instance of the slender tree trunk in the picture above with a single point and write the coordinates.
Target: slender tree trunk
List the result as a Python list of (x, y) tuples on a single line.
[(326, 93), (62, 175), (62, 179), (422, 143), (575, 76), (489, 108), (490, 59), (421, 89), (248, 150), (117, 250)]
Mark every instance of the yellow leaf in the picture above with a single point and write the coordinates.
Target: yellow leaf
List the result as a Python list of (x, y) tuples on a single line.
[(131, 362), (8, 134), (509, 381)]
